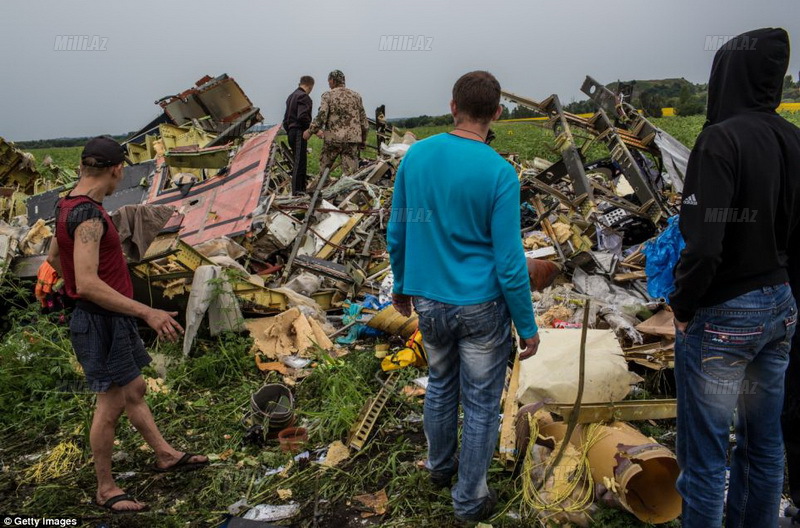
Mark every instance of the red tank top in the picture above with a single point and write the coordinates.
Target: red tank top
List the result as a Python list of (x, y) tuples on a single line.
[(112, 266)]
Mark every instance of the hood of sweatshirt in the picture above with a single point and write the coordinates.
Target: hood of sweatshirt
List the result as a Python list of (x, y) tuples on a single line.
[(747, 74)]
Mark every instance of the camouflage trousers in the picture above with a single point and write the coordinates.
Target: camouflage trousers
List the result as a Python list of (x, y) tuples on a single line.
[(348, 151)]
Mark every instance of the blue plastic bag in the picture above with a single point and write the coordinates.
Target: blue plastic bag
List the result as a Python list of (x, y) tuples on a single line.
[(662, 253), (353, 314)]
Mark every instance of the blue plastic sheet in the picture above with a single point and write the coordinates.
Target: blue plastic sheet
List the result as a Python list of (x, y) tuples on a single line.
[(353, 313), (662, 255)]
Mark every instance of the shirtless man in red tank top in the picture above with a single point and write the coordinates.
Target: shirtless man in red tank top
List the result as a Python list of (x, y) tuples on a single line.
[(87, 253)]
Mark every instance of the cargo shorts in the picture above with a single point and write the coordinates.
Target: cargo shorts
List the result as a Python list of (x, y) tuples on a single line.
[(108, 347)]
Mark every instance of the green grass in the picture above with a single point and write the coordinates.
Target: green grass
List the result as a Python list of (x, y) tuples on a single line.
[(207, 395), (64, 157), (201, 412), (528, 139)]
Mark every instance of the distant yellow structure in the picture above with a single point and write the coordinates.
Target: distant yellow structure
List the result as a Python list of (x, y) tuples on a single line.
[(783, 107), (789, 107), (665, 112)]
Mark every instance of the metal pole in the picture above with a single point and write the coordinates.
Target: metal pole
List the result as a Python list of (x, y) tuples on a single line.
[(576, 409)]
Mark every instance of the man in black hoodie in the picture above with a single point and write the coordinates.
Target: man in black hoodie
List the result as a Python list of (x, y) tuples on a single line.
[(296, 120), (734, 311)]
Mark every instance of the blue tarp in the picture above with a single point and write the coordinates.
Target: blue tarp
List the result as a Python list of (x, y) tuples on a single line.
[(662, 255), (353, 312)]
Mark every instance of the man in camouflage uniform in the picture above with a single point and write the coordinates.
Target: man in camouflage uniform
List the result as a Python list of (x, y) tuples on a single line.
[(342, 123)]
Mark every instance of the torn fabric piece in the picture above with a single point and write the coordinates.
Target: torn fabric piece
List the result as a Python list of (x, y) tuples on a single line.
[(212, 293), (138, 226)]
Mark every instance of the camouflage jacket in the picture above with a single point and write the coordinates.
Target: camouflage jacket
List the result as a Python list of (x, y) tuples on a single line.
[(341, 117)]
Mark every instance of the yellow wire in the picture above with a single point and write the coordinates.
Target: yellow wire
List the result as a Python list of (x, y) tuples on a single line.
[(533, 493), (65, 458)]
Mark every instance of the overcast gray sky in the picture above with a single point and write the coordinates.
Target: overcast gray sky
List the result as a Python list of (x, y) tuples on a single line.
[(157, 48)]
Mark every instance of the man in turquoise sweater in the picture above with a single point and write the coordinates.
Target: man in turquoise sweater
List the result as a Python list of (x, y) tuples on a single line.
[(455, 249)]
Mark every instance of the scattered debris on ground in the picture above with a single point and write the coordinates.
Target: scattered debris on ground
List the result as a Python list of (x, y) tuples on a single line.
[(307, 278)]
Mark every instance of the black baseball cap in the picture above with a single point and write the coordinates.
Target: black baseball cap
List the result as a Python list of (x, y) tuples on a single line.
[(104, 152)]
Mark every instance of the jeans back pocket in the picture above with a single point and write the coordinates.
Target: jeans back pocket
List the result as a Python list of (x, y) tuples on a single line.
[(791, 325), (479, 321), (726, 350)]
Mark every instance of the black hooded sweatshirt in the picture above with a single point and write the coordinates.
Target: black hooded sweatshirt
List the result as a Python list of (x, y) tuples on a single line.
[(741, 198)]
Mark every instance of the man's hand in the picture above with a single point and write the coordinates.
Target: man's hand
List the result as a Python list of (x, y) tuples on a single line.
[(164, 324), (306, 135), (530, 346), (681, 326), (320, 134), (402, 303)]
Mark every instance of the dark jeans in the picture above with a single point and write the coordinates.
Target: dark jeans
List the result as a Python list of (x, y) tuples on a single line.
[(468, 349), (299, 148), (733, 356), (791, 420)]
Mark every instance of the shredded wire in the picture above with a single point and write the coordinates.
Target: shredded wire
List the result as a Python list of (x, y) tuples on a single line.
[(549, 501), (64, 458)]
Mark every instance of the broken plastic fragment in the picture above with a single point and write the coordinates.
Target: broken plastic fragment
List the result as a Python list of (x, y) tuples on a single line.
[(269, 512)]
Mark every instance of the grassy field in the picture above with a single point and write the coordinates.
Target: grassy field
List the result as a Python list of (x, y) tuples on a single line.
[(199, 408), (45, 460), (528, 139)]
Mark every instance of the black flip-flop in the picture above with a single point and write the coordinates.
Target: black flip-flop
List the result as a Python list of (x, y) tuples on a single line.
[(181, 465), (109, 504)]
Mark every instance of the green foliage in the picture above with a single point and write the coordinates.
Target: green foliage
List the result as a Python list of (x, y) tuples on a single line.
[(529, 140), (608, 518), (37, 372), (652, 103), (689, 104), (666, 91), (684, 129), (64, 157), (75, 142), (219, 363), (585, 106), (423, 121), (521, 112), (336, 394), (200, 411), (791, 90), (204, 402)]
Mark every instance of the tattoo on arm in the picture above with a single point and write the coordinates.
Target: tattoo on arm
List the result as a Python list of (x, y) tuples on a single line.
[(90, 231)]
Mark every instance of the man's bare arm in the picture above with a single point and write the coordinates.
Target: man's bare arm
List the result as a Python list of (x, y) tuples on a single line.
[(90, 287), (54, 257)]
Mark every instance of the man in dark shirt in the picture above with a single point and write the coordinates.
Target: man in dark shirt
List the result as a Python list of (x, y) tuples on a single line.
[(734, 311), (86, 251), (296, 119)]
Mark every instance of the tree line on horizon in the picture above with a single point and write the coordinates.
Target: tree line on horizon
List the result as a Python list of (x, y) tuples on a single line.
[(685, 97)]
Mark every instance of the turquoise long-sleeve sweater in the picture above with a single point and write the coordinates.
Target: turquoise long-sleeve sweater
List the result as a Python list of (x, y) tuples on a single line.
[(453, 235)]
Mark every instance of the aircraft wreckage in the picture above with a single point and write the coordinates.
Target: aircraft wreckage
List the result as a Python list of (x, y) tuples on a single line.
[(221, 182), (220, 216)]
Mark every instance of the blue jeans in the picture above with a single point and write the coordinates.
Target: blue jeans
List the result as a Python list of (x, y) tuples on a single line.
[(468, 349), (733, 356)]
